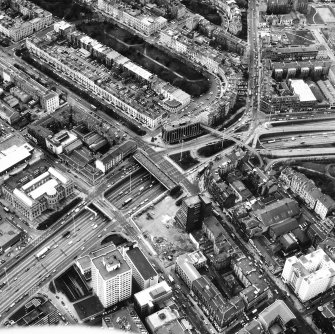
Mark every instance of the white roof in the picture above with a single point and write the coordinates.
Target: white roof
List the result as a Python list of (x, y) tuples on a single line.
[(144, 297), (302, 90), (23, 197), (48, 188), (37, 179), (58, 175), (14, 157), (146, 75)]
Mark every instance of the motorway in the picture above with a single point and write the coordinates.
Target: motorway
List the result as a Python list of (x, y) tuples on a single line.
[(32, 273)]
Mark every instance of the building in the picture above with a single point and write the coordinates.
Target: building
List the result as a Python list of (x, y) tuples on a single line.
[(187, 264), (144, 24), (147, 300), (18, 28), (220, 310), (309, 275), (177, 131), (191, 213), (9, 235), (84, 265), (143, 272), (64, 64), (50, 102), (164, 321), (43, 192), (14, 156), (8, 114), (116, 155), (60, 141), (111, 278)]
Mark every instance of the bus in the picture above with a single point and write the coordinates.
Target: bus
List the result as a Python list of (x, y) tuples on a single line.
[(41, 254), (127, 201), (93, 107), (66, 234)]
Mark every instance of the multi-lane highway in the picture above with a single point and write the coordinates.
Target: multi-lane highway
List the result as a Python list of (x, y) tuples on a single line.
[(86, 229)]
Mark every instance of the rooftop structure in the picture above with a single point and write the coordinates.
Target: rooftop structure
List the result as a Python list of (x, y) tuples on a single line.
[(302, 90), (310, 274)]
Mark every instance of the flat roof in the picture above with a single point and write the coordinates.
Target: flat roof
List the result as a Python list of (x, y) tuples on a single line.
[(302, 90), (145, 296), (113, 257), (37, 179), (23, 197), (14, 157), (48, 188), (58, 175), (7, 232), (141, 263)]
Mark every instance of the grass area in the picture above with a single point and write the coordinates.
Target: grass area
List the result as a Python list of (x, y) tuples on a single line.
[(184, 160), (318, 167), (301, 37), (204, 9), (209, 150), (313, 17), (70, 10), (149, 57)]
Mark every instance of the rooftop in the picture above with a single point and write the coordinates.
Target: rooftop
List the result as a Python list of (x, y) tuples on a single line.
[(276, 309), (301, 88), (141, 263), (153, 293), (7, 232), (110, 265)]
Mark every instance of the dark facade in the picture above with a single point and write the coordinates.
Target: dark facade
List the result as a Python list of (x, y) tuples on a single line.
[(174, 132)]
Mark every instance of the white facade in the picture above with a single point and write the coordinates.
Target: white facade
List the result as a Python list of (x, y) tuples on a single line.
[(50, 102), (111, 278), (150, 120), (309, 275), (147, 25)]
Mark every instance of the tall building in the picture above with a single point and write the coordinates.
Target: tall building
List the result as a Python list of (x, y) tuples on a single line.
[(310, 274), (192, 212), (111, 278), (145, 275)]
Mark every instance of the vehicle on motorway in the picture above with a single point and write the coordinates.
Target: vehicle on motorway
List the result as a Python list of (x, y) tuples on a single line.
[(127, 201), (42, 253), (95, 226), (66, 234), (93, 107), (141, 188), (6, 209)]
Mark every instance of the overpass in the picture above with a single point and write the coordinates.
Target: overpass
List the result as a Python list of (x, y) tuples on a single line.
[(237, 141), (142, 158)]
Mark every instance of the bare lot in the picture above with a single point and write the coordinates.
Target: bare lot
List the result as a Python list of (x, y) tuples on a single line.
[(158, 226)]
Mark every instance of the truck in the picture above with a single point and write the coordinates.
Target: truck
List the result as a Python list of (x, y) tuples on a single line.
[(41, 254), (127, 201), (6, 209), (171, 279)]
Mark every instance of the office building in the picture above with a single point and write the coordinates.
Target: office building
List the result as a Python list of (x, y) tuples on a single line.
[(164, 321), (60, 141), (187, 264), (310, 274), (43, 192), (115, 156), (147, 300), (192, 212), (111, 278), (143, 272), (9, 235), (177, 131)]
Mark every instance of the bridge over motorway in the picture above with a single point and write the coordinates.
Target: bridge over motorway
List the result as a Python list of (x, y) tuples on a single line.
[(223, 135), (142, 158)]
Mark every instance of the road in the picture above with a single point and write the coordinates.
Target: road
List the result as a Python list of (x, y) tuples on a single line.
[(33, 273)]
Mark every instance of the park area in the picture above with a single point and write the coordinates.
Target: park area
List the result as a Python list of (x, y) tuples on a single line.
[(157, 225), (149, 57)]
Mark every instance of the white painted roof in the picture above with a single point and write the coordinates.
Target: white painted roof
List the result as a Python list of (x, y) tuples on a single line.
[(14, 157), (23, 197), (302, 90), (34, 181), (58, 175), (48, 188)]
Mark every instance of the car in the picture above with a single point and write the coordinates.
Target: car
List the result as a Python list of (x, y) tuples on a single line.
[(70, 243), (3, 261), (15, 278), (54, 271), (91, 218), (82, 248), (95, 226), (99, 236)]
